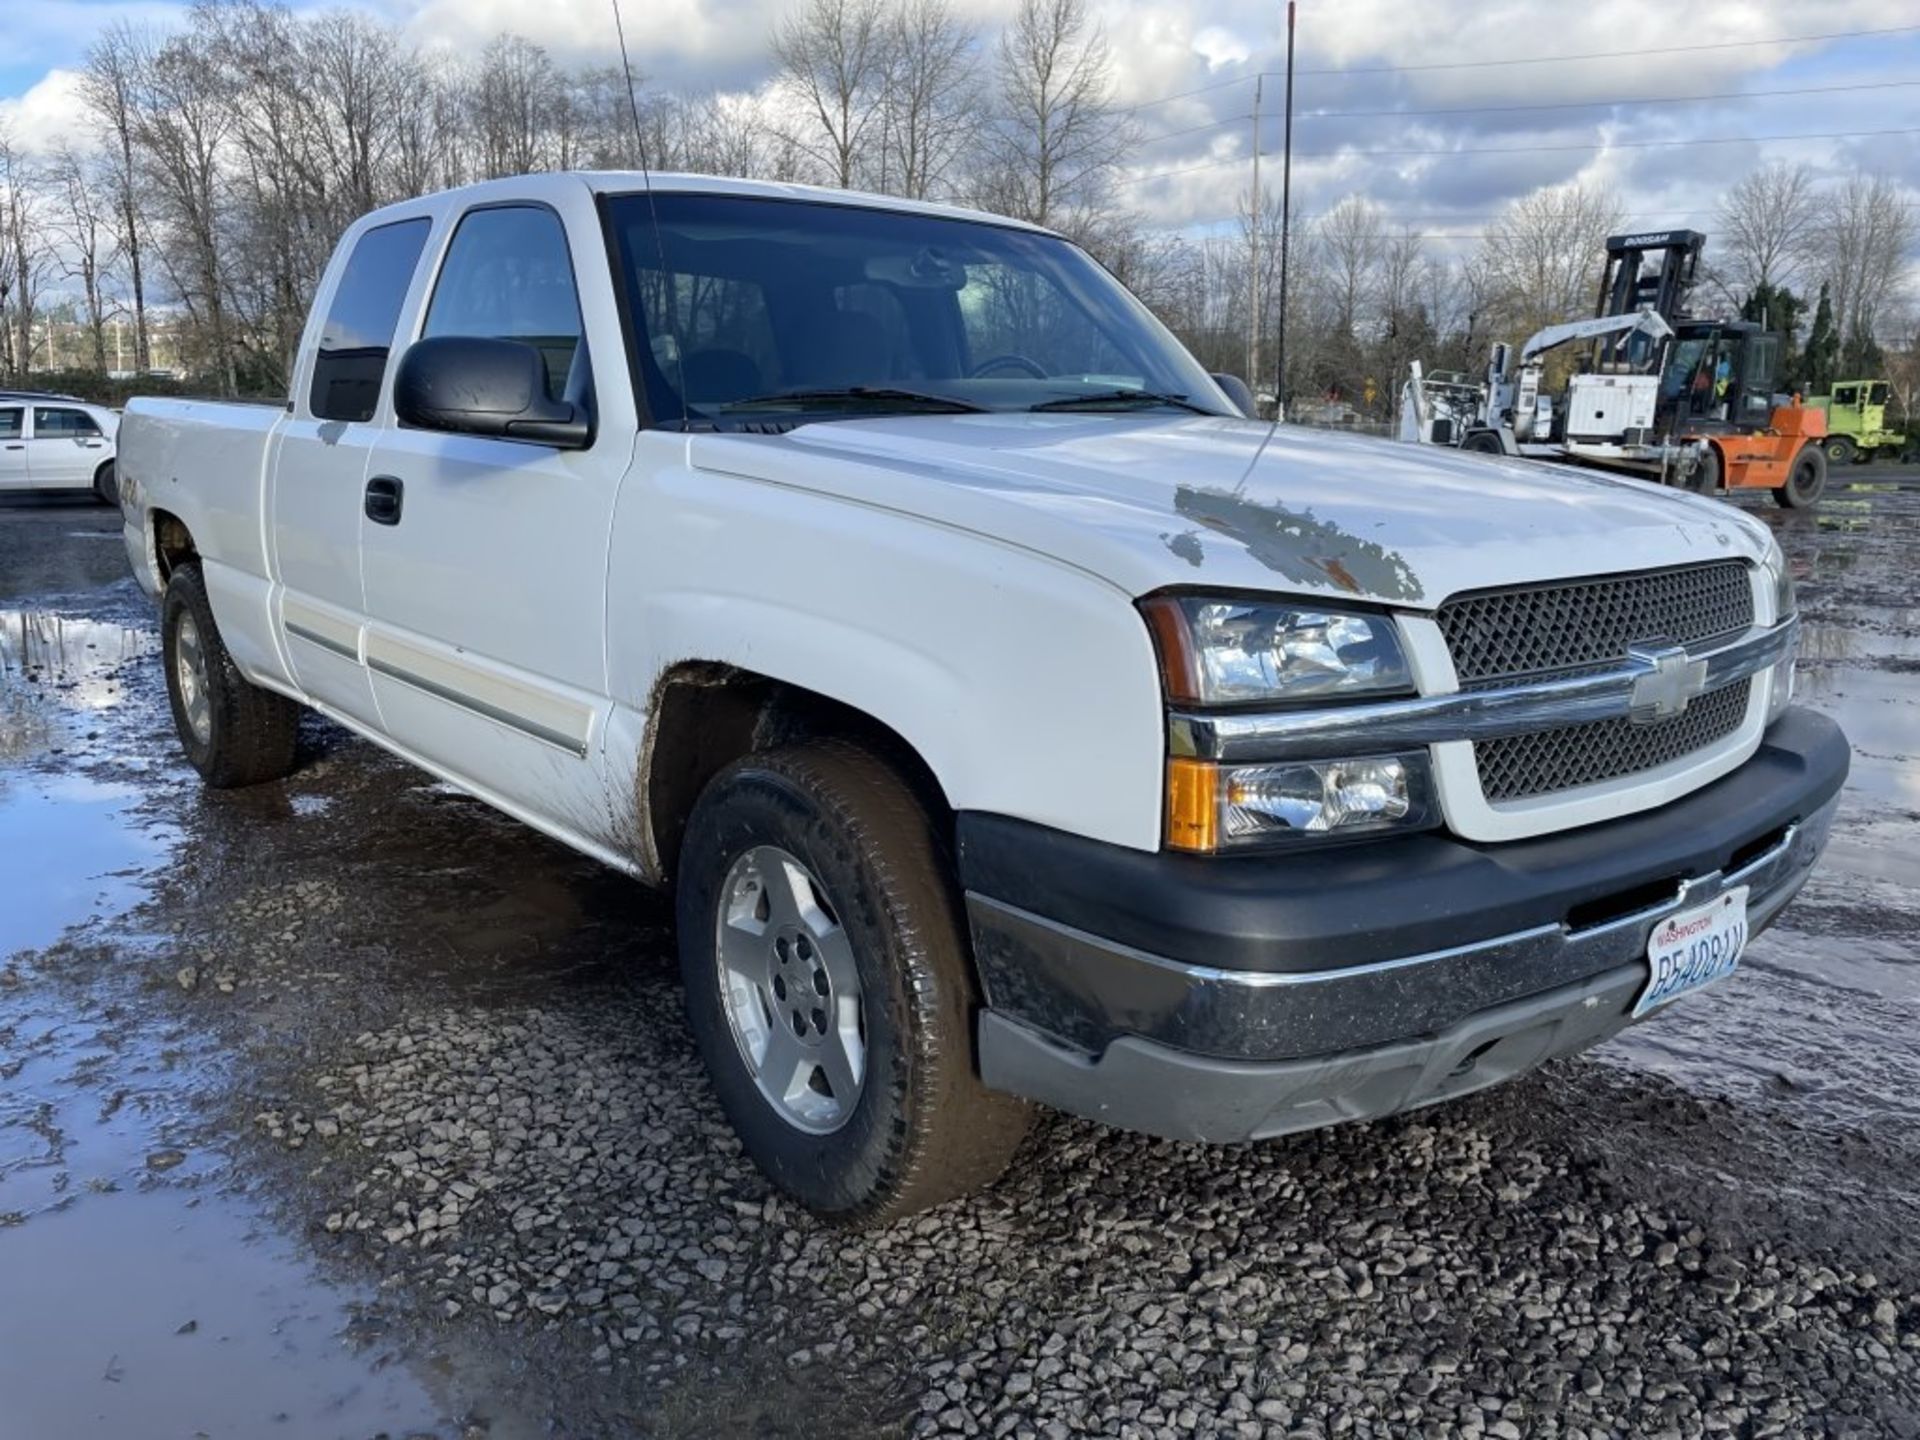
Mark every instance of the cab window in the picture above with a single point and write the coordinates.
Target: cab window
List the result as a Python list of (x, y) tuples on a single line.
[(1845, 395), (50, 422), (354, 345), (508, 276)]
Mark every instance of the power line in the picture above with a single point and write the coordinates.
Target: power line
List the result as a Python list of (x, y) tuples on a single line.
[(1612, 54), (1139, 105), (1238, 119), (1530, 149), (1601, 104)]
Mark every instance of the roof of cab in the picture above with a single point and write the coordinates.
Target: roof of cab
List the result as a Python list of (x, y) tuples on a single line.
[(622, 182)]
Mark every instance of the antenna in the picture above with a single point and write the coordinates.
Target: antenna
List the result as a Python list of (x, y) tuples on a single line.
[(633, 104)]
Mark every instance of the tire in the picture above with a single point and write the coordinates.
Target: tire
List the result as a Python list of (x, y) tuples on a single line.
[(1705, 479), (1482, 442), (106, 484), (234, 733), (918, 1127), (1840, 450), (1806, 481)]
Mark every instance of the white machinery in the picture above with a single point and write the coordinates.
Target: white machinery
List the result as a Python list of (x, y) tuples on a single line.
[(1606, 414)]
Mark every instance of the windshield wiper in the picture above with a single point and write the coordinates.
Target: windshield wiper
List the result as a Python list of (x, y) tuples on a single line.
[(1103, 398), (883, 395)]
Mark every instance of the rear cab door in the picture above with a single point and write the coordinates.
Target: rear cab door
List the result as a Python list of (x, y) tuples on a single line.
[(318, 468), (486, 581), (64, 447)]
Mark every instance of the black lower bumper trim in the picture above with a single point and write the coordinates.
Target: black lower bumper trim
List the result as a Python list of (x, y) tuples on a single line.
[(1376, 901)]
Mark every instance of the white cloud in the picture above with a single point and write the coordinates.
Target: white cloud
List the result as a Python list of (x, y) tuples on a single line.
[(48, 115)]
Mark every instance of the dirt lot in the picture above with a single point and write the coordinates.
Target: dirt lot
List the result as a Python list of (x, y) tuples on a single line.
[(344, 1107)]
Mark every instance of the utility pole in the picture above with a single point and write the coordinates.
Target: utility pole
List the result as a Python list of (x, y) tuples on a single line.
[(1286, 224), (1253, 249)]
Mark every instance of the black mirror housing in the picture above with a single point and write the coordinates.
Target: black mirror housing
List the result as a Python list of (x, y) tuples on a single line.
[(471, 385), (1239, 393)]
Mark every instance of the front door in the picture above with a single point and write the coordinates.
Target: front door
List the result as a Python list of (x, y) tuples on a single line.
[(66, 447), (13, 448), (486, 563), (319, 467)]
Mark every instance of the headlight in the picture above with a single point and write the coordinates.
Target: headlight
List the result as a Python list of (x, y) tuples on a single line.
[(1218, 807), (1780, 578), (1226, 652)]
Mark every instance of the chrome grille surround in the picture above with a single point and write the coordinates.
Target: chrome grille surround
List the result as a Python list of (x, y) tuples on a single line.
[(1518, 767), (1566, 627)]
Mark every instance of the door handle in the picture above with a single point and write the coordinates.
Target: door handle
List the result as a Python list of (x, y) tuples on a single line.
[(384, 496), (20, 446)]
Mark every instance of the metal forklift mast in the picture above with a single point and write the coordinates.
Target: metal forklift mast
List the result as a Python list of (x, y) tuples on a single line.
[(1648, 271)]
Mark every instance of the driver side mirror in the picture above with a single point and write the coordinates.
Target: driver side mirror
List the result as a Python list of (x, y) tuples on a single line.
[(1238, 392), (471, 385)]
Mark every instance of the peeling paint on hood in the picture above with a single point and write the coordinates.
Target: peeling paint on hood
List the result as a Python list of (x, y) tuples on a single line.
[(1305, 550)]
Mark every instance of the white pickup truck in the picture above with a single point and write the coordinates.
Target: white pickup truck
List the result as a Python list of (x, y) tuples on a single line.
[(1013, 719)]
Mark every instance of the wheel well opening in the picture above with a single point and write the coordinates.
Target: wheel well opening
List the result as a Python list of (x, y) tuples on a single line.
[(172, 543), (706, 716)]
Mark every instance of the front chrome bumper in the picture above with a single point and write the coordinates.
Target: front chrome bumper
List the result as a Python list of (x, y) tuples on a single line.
[(1233, 1000), (1248, 1014)]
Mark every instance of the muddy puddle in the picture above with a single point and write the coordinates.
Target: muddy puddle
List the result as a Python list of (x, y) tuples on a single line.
[(142, 1292)]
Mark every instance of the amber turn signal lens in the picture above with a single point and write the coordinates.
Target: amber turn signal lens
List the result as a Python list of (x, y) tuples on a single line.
[(1193, 810)]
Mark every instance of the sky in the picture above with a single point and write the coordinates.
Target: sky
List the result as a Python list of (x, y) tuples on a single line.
[(1508, 119)]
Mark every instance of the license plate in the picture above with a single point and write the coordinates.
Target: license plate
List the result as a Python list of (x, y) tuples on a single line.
[(1694, 948)]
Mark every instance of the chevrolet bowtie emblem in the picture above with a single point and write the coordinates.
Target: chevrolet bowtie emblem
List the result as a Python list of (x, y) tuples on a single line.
[(1672, 679)]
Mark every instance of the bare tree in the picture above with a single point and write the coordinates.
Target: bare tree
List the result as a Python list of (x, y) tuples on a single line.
[(85, 229), (1058, 138), (1546, 251), (1865, 238), (185, 117), (1765, 226), (932, 97), (834, 67), (510, 104), (27, 256), (109, 84)]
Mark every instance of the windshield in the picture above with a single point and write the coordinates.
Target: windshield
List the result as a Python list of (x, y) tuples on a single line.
[(756, 310)]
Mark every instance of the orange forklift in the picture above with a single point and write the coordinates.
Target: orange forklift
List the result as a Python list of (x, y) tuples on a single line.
[(1717, 414)]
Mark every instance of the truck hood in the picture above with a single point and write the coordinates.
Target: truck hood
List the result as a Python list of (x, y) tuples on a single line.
[(1151, 501)]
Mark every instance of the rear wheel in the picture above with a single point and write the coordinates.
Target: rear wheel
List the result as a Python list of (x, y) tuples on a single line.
[(1840, 449), (106, 484), (829, 986), (1805, 481), (233, 732)]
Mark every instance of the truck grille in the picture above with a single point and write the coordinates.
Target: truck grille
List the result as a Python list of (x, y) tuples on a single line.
[(1499, 636), (1517, 766)]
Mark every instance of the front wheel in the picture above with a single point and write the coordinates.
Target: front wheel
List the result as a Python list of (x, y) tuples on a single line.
[(234, 733), (1482, 442), (106, 485), (1805, 481), (1840, 450), (1704, 478), (829, 986)]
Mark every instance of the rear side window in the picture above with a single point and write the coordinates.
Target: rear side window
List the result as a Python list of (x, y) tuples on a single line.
[(508, 276), (10, 423), (50, 422), (360, 322)]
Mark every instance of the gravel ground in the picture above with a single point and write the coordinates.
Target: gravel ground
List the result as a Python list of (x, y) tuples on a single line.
[(406, 1088)]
